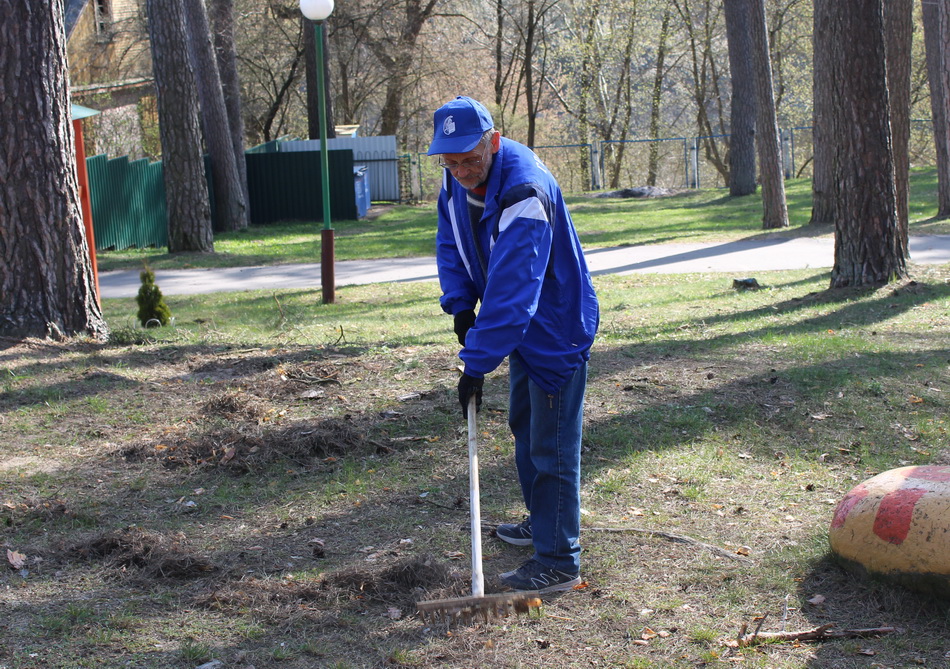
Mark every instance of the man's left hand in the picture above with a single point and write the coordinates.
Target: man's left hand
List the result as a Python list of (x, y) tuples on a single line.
[(468, 386)]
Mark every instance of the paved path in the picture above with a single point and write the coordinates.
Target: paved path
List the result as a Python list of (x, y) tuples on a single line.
[(740, 256)]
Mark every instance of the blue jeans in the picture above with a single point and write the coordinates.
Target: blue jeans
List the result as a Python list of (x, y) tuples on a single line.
[(547, 431)]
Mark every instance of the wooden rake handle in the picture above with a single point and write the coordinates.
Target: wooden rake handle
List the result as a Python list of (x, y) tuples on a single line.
[(478, 577)]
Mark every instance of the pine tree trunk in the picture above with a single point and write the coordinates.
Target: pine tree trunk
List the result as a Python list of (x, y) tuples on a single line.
[(774, 207), (742, 133), (898, 33), (868, 248), (46, 280), (230, 210), (937, 40), (221, 13), (822, 182), (186, 191)]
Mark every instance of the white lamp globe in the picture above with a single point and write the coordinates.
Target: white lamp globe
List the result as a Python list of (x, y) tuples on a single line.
[(316, 10)]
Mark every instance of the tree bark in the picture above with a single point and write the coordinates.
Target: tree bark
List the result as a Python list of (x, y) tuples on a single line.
[(742, 133), (898, 33), (823, 151), (230, 207), (46, 280), (868, 248), (186, 192), (937, 40), (221, 13), (774, 207)]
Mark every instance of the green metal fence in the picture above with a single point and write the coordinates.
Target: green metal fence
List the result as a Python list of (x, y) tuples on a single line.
[(128, 198), (128, 203), (285, 186)]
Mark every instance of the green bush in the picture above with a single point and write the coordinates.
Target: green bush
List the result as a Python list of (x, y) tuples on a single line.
[(152, 308)]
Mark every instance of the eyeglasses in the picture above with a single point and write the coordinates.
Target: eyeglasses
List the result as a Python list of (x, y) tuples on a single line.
[(468, 163)]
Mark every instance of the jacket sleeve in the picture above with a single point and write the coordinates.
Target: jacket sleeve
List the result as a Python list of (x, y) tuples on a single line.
[(516, 270), (458, 289)]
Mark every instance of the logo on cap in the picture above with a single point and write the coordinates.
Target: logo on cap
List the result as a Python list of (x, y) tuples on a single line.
[(448, 126)]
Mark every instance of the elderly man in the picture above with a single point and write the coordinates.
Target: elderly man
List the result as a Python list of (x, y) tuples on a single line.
[(506, 244)]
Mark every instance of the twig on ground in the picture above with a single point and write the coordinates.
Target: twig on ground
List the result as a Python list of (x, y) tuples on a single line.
[(679, 538), (822, 633), (341, 338)]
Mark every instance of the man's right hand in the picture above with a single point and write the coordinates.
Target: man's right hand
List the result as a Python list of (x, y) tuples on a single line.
[(468, 386), (464, 320)]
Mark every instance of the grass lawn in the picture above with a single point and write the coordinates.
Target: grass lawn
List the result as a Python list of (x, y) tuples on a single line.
[(274, 482), (408, 230)]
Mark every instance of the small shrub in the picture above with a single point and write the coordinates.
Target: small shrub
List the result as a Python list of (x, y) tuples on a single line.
[(152, 307)]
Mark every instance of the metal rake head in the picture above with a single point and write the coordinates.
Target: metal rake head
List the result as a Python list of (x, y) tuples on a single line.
[(484, 608)]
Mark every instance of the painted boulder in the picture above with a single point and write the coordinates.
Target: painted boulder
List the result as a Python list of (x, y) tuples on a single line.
[(897, 525)]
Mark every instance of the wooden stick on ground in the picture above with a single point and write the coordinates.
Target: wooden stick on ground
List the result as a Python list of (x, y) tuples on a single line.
[(822, 633), (679, 538)]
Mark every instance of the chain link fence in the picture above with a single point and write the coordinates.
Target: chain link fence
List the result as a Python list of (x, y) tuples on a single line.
[(671, 162)]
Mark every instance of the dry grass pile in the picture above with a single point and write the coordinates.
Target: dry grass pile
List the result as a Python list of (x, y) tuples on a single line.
[(152, 554)]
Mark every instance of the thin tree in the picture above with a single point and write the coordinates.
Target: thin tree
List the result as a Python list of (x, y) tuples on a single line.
[(230, 207), (221, 13), (898, 36), (868, 249), (936, 18), (186, 191), (46, 279), (659, 73), (742, 99), (391, 32), (823, 151), (313, 99), (774, 207)]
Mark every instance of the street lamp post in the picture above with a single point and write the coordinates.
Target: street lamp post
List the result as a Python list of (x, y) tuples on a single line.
[(318, 11)]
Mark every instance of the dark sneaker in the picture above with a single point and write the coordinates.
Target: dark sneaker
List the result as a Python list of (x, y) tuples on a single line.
[(533, 575), (517, 535)]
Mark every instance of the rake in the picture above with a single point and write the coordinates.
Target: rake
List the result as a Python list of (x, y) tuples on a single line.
[(479, 606)]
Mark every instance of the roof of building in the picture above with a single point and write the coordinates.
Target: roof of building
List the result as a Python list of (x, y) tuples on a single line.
[(73, 10)]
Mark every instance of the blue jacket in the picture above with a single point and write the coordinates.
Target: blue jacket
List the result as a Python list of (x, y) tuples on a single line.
[(528, 271)]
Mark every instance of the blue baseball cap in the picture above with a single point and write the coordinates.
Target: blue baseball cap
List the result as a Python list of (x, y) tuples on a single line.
[(459, 124)]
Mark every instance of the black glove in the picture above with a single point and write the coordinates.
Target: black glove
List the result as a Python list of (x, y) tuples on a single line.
[(468, 386), (463, 321)]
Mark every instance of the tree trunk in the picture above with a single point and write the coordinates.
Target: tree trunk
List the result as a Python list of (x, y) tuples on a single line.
[(222, 27), (937, 40), (186, 192), (822, 182), (774, 208), (46, 279), (898, 33), (868, 248), (742, 133), (528, 73), (230, 210), (658, 76)]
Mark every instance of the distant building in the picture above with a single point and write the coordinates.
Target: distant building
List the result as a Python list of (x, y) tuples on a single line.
[(110, 70)]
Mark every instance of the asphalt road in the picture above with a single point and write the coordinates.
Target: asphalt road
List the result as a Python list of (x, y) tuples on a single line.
[(740, 256)]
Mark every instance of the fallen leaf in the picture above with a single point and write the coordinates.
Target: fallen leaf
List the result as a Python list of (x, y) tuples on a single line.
[(228, 455), (15, 559), (867, 651), (647, 634), (743, 550), (816, 600)]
